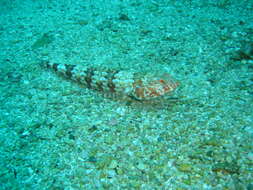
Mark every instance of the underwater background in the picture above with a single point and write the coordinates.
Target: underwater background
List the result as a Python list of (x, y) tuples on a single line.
[(58, 135)]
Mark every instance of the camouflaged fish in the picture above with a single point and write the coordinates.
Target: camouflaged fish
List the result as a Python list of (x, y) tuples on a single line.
[(138, 86)]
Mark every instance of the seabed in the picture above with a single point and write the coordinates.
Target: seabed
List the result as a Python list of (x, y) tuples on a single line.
[(58, 135)]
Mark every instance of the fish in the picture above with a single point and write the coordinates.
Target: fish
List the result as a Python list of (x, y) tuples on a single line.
[(123, 83)]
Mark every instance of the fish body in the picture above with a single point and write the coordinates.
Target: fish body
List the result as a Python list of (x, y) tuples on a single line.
[(118, 82)]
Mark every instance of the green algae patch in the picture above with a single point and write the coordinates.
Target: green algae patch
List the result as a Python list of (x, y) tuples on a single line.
[(184, 167), (214, 142), (226, 168), (43, 41)]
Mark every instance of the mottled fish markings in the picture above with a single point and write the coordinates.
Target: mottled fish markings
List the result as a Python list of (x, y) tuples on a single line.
[(119, 82)]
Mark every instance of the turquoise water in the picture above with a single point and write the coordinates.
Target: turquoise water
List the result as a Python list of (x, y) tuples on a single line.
[(57, 134)]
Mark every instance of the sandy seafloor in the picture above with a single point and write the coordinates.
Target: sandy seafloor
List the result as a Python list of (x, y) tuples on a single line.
[(57, 135)]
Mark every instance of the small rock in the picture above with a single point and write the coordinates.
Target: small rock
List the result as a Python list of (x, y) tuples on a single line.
[(113, 164), (92, 159), (124, 17), (250, 156), (141, 166), (93, 128)]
